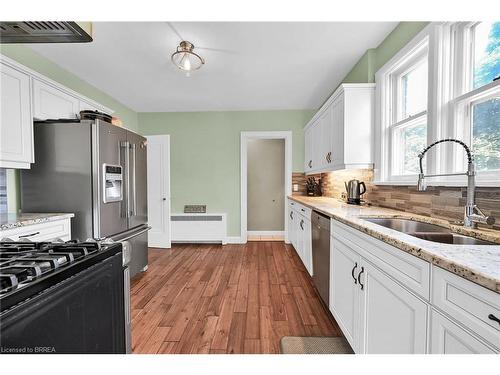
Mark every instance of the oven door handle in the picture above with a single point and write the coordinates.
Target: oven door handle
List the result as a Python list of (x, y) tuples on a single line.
[(135, 234)]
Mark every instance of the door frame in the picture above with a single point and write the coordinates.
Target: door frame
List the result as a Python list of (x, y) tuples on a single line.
[(166, 138), (250, 135)]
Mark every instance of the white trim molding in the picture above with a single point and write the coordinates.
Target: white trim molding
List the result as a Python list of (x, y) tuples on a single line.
[(451, 98), (245, 137), (265, 233)]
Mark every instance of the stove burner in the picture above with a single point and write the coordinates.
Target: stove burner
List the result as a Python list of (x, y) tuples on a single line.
[(21, 263)]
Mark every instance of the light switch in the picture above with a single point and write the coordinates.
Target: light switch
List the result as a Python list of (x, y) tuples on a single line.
[(295, 187)]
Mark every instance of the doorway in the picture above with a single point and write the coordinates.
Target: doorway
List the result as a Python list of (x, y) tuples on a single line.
[(266, 177), (159, 191)]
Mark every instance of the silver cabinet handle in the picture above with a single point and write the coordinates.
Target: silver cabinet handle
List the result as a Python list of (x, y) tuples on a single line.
[(134, 195)]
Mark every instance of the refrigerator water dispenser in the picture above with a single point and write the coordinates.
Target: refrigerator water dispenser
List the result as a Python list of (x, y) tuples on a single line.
[(113, 183)]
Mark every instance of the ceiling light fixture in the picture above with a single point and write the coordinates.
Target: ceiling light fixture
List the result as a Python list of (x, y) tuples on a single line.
[(185, 59)]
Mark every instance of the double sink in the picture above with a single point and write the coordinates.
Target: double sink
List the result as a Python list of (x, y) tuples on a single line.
[(426, 231)]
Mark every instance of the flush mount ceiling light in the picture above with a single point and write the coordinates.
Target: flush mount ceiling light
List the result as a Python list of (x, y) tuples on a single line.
[(185, 59)]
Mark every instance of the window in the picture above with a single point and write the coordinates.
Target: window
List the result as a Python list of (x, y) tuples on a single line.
[(406, 96), (445, 83), (476, 106)]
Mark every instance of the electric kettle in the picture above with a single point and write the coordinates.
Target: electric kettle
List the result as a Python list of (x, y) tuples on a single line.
[(354, 191)]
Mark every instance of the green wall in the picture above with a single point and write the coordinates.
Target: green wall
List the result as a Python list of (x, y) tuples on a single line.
[(42, 65), (205, 153), (373, 59)]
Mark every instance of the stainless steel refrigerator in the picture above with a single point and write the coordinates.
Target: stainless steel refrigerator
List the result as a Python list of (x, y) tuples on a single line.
[(96, 170)]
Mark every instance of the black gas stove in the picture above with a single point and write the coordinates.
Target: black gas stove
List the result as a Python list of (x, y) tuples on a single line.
[(62, 297), (27, 268)]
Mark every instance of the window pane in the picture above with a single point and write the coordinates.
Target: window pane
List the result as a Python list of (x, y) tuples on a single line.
[(409, 141), (486, 53), (414, 91), (486, 134)]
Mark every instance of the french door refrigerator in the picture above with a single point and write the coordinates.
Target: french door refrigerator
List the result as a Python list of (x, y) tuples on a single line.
[(97, 171)]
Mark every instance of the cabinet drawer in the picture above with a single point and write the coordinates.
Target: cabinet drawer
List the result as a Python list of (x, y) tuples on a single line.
[(412, 272), (449, 338), (41, 232), (300, 208), (468, 303)]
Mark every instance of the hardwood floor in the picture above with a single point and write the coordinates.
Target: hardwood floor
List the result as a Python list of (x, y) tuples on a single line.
[(225, 299)]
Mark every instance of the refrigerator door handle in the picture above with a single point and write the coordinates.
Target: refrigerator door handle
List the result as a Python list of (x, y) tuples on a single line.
[(125, 145), (135, 234), (133, 193)]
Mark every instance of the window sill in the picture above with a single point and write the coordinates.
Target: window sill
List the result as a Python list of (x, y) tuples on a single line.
[(444, 183)]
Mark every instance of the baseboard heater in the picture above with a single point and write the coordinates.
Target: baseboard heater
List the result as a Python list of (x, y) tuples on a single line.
[(199, 228)]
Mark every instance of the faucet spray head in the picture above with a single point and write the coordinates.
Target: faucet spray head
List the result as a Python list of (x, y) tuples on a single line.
[(421, 185)]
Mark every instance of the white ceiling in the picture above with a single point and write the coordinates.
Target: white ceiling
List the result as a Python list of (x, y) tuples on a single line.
[(262, 66)]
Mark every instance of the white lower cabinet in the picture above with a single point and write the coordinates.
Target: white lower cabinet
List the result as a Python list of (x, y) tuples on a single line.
[(299, 232), (393, 320), (47, 231), (448, 337), (380, 310), (375, 313), (344, 290)]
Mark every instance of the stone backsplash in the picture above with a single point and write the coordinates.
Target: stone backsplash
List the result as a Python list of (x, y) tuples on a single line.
[(441, 202)]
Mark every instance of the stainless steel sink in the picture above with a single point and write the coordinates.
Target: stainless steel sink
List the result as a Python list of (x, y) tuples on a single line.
[(426, 231)]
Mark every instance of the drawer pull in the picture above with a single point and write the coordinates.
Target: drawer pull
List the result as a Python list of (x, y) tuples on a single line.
[(352, 272), (302, 224), (494, 318), (303, 210), (29, 235), (359, 278)]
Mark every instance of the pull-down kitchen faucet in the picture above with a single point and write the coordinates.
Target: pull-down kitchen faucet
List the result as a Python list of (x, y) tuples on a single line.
[(472, 213)]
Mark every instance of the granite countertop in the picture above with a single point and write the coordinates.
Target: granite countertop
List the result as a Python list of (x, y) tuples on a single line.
[(477, 263), (10, 221)]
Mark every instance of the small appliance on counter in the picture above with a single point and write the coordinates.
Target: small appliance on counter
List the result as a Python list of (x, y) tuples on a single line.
[(313, 187), (354, 192)]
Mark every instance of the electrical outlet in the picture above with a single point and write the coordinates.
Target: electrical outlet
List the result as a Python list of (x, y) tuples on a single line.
[(295, 187)]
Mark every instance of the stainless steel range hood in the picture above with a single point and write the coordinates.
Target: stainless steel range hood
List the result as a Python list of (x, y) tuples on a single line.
[(45, 32)]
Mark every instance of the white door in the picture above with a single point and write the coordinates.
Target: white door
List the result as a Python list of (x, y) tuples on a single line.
[(16, 138), (448, 338), (159, 191), (344, 290), (394, 321), (337, 132)]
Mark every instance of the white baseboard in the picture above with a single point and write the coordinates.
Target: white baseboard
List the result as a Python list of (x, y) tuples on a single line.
[(234, 240), (266, 233)]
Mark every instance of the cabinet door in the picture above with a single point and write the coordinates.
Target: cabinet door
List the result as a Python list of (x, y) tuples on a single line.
[(51, 103), (308, 146), (16, 124), (291, 227), (449, 338), (337, 132), (394, 321), (307, 246), (326, 138), (300, 235), (344, 290)]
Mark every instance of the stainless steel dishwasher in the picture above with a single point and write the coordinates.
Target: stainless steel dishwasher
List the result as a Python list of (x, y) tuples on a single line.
[(321, 254)]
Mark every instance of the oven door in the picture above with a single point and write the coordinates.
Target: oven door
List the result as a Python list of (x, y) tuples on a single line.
[(83, 314)]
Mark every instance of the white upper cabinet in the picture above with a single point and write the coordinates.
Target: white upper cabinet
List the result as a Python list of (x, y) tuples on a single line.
[(340, 135), (16, 127), (27, 95), (50, 102)]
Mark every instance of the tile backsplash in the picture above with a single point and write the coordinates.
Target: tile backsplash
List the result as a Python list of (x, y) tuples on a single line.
[(441, 202)]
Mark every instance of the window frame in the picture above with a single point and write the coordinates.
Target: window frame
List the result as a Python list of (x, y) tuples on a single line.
[(388, 109), (450, 99)]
